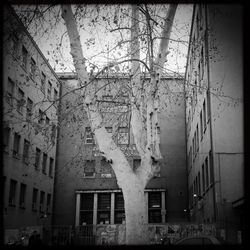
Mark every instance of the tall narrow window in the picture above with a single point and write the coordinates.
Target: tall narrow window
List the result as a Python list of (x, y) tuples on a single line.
[(10, 91), (89, 136), (103, 208), (34, 199), (154, 207), (32, 68), (12, 193), (119, 209), (16, 145), (20, 100), (6, 139), (29, 109), (47, 120), (55, 94), (122, 135), (207, 174), (203, 178), (204, 114), (208, 106), (201, 124), (86, 209), (51, 163), (44, 163), (40, 116), (37, 160), (48, 208), (22, 195), (24, 57), (41, 206), (49, 90), (43, 82), (26, 147), (211, 167)]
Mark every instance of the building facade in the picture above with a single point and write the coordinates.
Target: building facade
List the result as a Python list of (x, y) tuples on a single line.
[(30, 88), (86, 182), (214, 119)]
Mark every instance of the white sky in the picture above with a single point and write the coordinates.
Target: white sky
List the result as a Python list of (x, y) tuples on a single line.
[(60, 59)]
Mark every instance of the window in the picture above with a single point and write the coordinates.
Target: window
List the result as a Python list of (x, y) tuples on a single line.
[(86, 209), (207, 174), (211, 167), (208, 106), (55, 94), (41, 207), (154, 207), (32, 68), (34, 199), (12, 193), (201, 124), (43, 82), (22, 195), (51, 163), (37, 160), (89, 168), (16, 146), (103, 208), (122, 135), (26, 147), (29, 108), (47, 120), (89, 136), (24, 57), (6, 139), (119, 209), (10, 91), (44, 163), (40, 116), (203, 178), (204, 114), (48, 203), (49, 90), (20, 100)]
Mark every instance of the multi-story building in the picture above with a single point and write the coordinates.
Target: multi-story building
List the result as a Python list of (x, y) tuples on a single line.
[(30, 87), (86, 183), (214, 118)]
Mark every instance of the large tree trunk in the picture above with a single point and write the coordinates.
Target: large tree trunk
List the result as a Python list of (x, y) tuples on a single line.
[(135, 212)]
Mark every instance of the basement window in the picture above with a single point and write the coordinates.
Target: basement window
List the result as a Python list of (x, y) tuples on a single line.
[(154, 207)]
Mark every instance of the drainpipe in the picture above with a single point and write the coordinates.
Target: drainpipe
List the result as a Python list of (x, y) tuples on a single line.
[(210, 106)]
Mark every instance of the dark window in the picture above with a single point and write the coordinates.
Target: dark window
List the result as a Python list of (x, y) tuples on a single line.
[(86, 209), (24, 57), (51, 163), (208, 106), (136, 163), (34, 199), (48, 203), (119, 208), (154, 207), (49, 90), (203, 178), (40, 117), (47, 120), (26, 147), (10, 91), (38, 155), (29, 108), (201, 124), (16, 145), (103, 208), (204, 114), (32, 68), (207, 174), (20, 100), (122, 135), (44, 163), (89, 136), (22, 195), (12, 193), (43, 82), (41, 207), (89, 168), (6, 138)]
